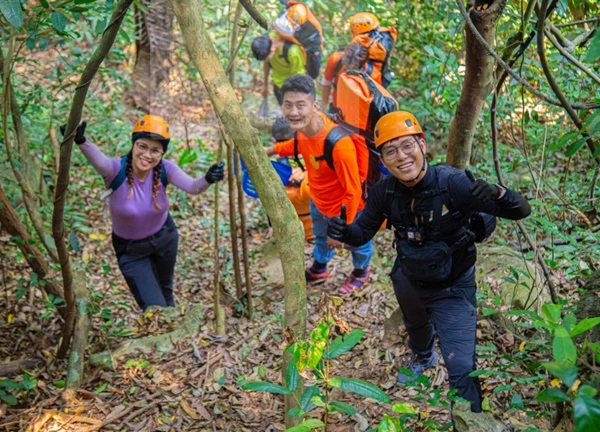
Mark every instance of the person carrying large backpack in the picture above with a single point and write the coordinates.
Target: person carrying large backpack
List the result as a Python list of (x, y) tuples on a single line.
[(144, 235), (361, 102), (334, 181), (431, 208), (362, 26)]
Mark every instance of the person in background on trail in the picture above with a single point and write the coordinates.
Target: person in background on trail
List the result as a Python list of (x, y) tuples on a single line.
[(297, 188), (359, 23), (284, 58), (144, 236), (430, 208), (329, 188)]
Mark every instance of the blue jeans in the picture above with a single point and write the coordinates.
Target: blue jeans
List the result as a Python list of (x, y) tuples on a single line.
[(148, 265), (361, 256), (450, 312)]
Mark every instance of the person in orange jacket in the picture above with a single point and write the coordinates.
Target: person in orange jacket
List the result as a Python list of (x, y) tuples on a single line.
[(359, 23), (330, 189)]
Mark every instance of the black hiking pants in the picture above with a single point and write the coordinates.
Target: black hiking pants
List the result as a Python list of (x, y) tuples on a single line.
[(450, 312), (148, 265)]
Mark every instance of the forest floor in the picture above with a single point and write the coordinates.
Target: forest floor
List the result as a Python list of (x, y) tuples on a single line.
[(195, 386)]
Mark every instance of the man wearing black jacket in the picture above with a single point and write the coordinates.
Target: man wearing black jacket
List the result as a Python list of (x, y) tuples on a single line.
[(438, 213)]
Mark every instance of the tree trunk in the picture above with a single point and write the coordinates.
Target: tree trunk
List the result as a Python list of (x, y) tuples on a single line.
[(479, 82), (286, 225), (154, 28), (62, 182)]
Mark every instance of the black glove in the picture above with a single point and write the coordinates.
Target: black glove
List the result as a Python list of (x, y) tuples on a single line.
[(484, 191), (215, 173), (79, 133), (337, 228)]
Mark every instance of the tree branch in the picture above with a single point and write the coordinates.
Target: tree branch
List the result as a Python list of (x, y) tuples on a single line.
[(62, 183), (508, 69), (255, 14), (569, 57), (557, 91)]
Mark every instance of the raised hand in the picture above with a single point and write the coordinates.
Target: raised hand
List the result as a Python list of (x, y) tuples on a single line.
[(337, 228), (79, 133), (484, 191), (215, 173)]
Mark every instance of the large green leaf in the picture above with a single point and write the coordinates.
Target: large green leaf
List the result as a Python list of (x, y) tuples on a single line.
[(342, 407), (297, 412), (360, 387), (344, 343), (11, 9), (292, 377), (404, 408), (298, 429), (563, 140), (564, 371), (587, 414), (309, 392), (584, 325), (263, 386), (552, 395), (551, 312), (8, 398), (563, 347), (59, 21)]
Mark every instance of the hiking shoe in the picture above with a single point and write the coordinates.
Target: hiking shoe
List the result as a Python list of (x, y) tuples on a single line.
[(355, 283), (313, 276), (416, 366)]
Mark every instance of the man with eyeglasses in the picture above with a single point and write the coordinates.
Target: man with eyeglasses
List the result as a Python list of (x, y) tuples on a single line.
[(430, 208)]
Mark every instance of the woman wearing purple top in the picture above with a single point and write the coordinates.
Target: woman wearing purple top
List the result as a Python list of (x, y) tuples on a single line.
[(144, 235)]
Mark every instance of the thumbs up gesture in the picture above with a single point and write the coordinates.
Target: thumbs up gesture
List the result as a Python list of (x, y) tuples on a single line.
[(337, 227)]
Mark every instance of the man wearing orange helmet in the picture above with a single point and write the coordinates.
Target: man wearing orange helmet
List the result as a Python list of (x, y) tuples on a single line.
[(359, 23), (144, 236), (438, 213)]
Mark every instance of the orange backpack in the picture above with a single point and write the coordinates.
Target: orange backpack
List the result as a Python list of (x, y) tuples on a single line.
[(380, 43), (298, 25), (361, 102)]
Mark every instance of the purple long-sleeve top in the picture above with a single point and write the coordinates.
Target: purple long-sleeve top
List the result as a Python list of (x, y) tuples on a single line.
[(136, 217)]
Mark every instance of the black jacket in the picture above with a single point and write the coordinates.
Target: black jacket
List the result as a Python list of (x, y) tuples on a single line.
[(511, 206)]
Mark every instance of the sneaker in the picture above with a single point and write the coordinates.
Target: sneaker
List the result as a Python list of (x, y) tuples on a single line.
[(313, 276), (355, 283), (416, 366)]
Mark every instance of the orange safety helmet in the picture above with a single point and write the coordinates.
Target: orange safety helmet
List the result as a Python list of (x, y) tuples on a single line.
[(394, 125), (363, 22), (153, 127)]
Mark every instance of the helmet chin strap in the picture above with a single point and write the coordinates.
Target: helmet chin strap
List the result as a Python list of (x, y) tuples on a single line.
[(424, 163)]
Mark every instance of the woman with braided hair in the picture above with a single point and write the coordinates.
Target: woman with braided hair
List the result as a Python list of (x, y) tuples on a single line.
[(144, 235)]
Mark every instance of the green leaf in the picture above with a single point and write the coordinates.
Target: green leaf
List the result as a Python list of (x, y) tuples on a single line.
[(263, 386), (307, 425), (586, 390), (298, 429), (344, 343), (10, 384), (551, 312), (58, 21), (552, 395), (564, 140), (564, 371), (569, 322), (389, 424), (563, 347), (309, 392), (12, 11), (74, 241), (502, 388), (360, 387), (188, 156), (587, 414), (575, 147), (517, 402), (404, 408), (342, 407), (584, 325), (9, 399), (593, 52), (297, 412), (292, 377), (317, 401), (101, 388)]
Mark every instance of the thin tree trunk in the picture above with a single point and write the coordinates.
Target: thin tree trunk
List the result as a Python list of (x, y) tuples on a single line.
[(219, 311), (244, 235), (479, 82), (286, 225), (62, 183)]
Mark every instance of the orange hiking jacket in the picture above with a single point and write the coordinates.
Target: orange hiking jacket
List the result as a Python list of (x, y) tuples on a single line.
[(329, 189)]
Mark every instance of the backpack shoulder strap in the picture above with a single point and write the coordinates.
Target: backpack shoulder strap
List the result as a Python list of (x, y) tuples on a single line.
[(286, 50), (296, 158), (390, 192), (332, 138), (336, 71), (163, 176), (121, 175)]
